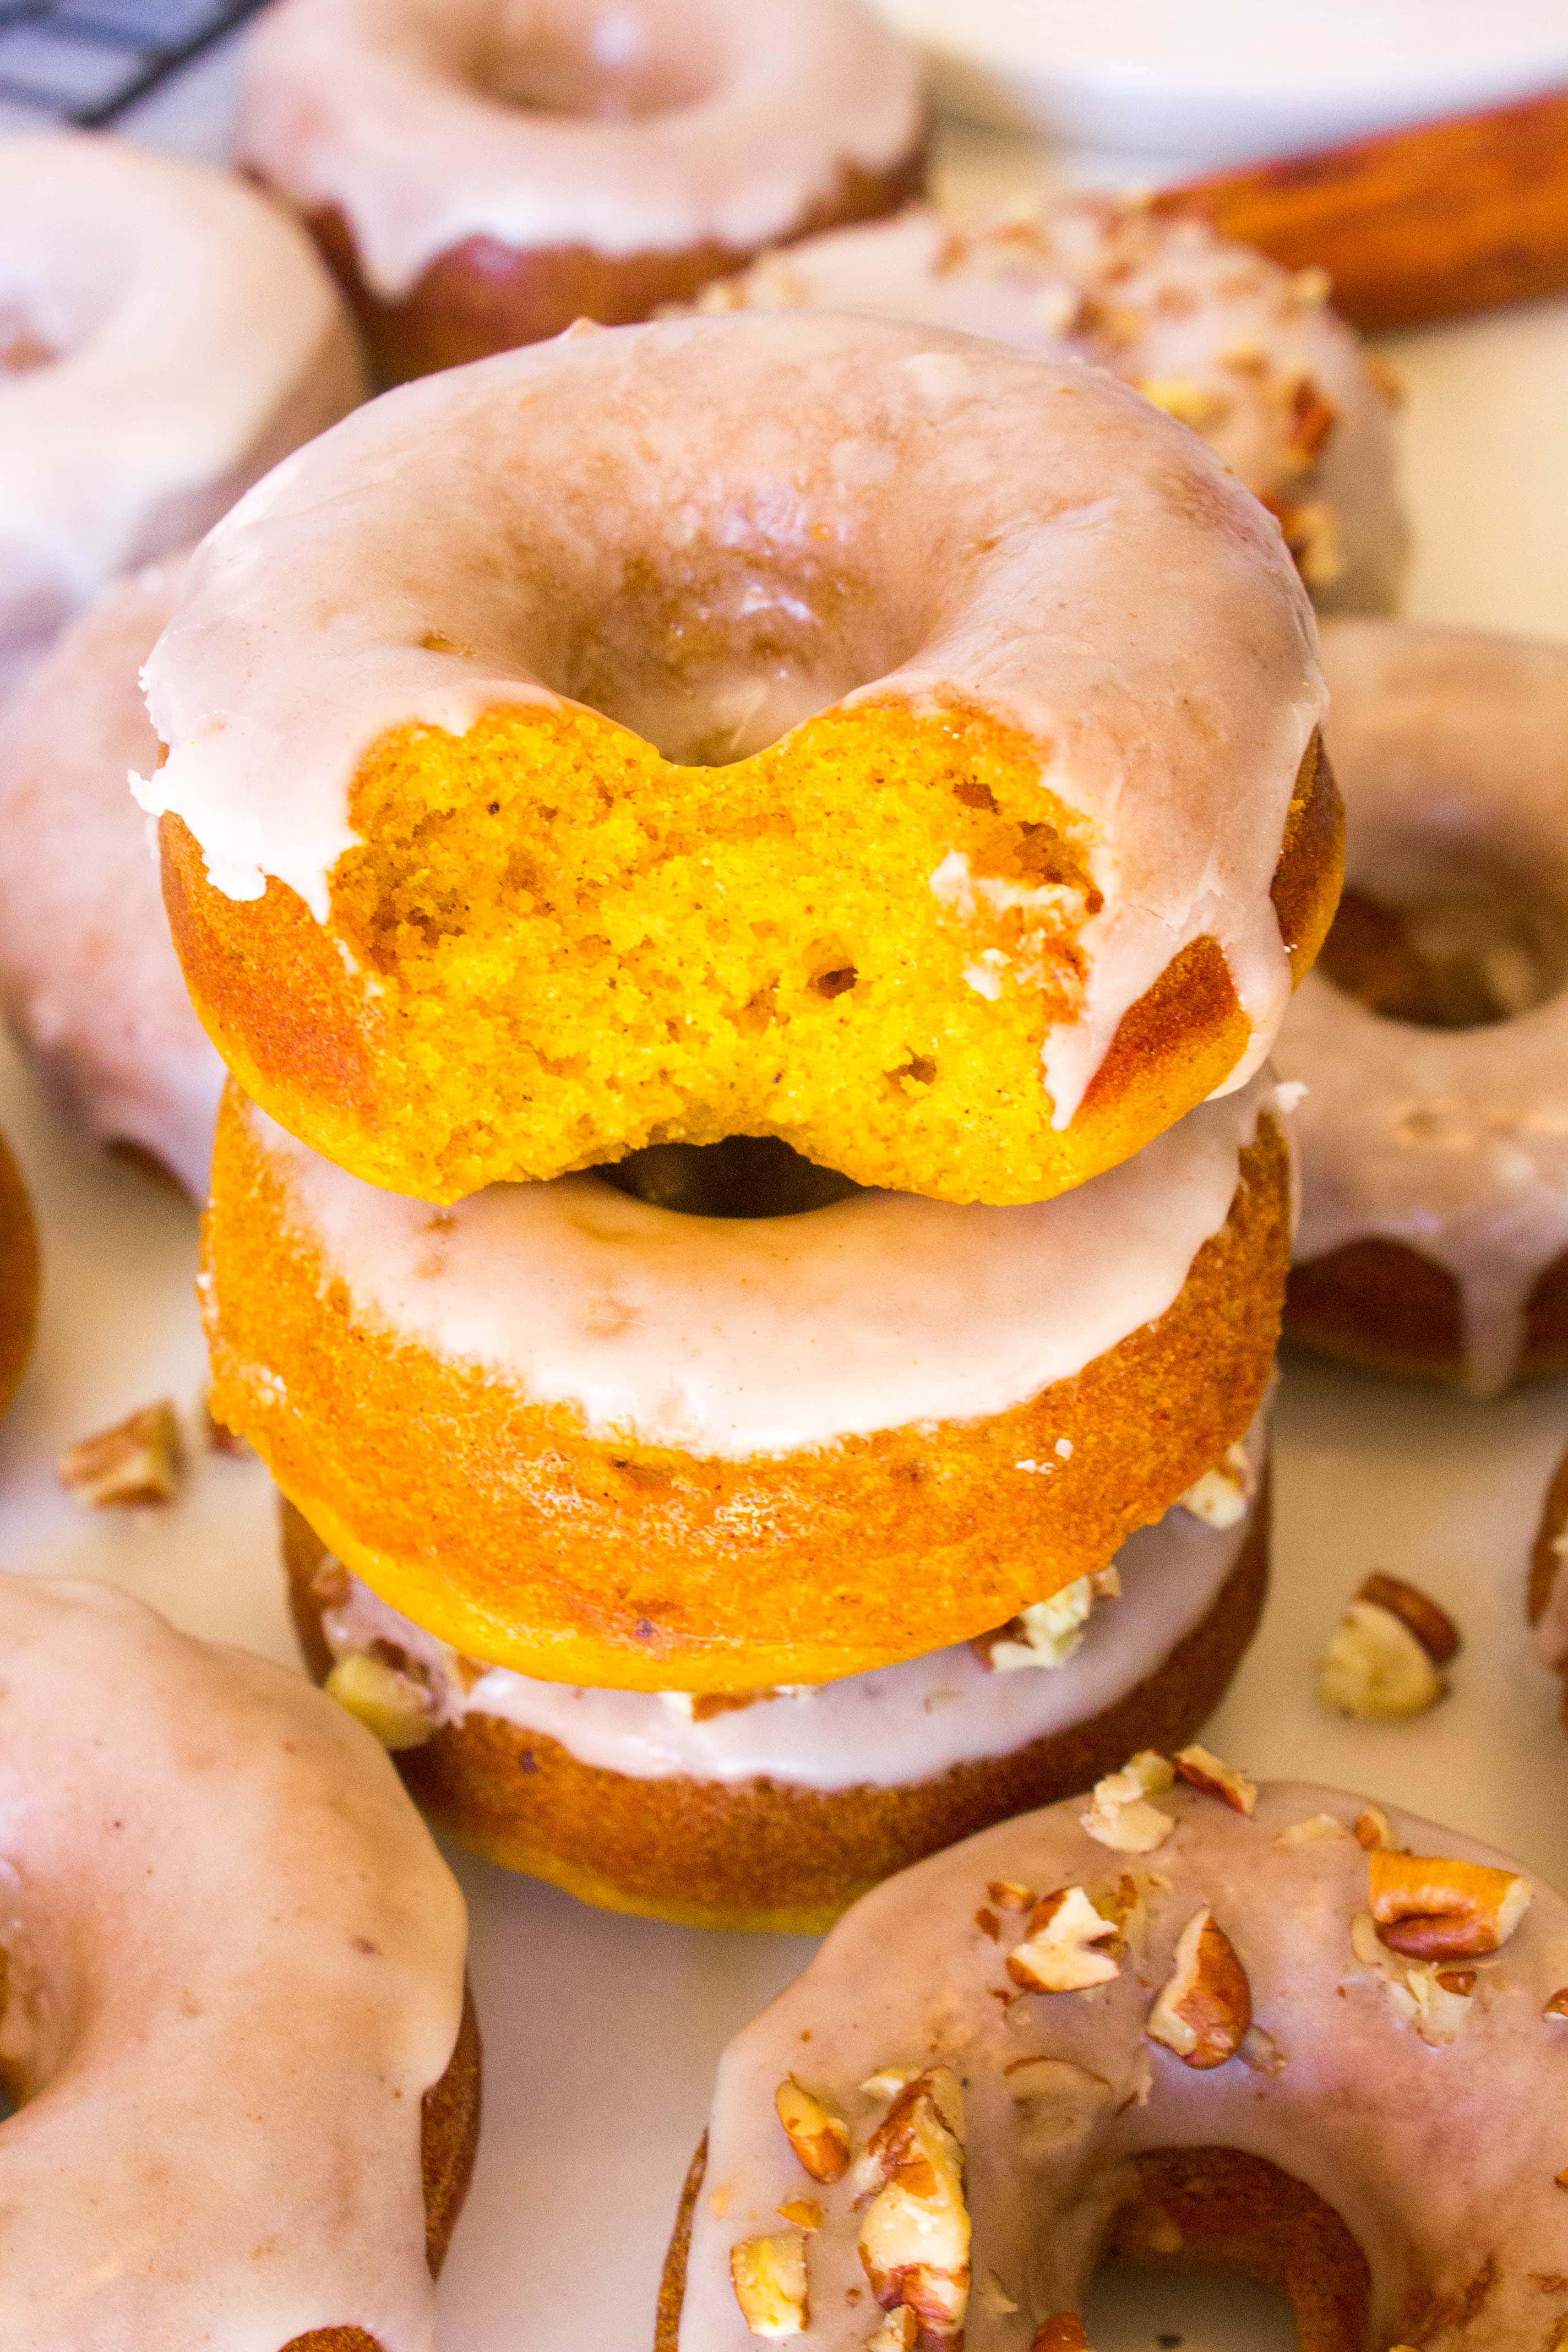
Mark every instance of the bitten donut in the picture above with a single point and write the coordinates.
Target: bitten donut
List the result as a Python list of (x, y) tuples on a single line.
[(775, 1809), (671, 732), (1268, 2031), (165, 336), (89, 981), (245, 2075), (1249, 355), (1433, 1039), (479, 179), (19, 1276), (604, 1441)]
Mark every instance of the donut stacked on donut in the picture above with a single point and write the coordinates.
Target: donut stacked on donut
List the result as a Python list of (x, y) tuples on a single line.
[(752, 1166), (1208, 2026), (479, 181), (1433, 1039), (233, 2020), (89, 981), (165, 336), (1248, 354)]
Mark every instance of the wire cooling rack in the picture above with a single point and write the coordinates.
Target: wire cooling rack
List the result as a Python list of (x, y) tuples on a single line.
[(83, 61)]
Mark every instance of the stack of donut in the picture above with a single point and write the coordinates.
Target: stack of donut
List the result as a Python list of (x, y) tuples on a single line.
[(750, 1200)]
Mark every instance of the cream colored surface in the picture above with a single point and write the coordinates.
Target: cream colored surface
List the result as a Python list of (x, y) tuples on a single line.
[(1172, 714), (650, 127), (234, 1966), (191, 339), (735, 1336), (592, 2110), (1451, 749), (88, 978)]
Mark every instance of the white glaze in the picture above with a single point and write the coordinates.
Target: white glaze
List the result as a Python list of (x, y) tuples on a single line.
[(1446, 742), (1437, 2157), (733, 1337), (197, 339), (717, 120), (1211, 325), (899, 1723), (235, 1966), (1034, 537), (88, 978)]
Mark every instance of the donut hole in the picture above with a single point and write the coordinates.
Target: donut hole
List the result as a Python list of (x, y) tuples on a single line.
[(744, 1176), (1449, 941), (583, 60)]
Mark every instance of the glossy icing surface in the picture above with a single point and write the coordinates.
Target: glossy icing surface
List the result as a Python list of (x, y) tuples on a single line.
[(1440, 2155), (165, 336), (1251, 357), (659, 125), (903, 1723), (739, 1336), (88, 978), (1452, 750), (1058, 553), (234, 1967)]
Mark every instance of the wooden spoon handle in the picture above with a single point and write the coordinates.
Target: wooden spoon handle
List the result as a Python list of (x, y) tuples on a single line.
[(1414, 225)]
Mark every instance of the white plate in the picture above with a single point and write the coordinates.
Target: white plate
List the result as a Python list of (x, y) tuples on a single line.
[(601, 2033), (1223, 80)]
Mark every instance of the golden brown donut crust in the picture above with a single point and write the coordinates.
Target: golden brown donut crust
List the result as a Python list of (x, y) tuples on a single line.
[(1387, 1307), (484, 296), (500, 1525), (326, 1058), (19, 1276), (763, 1854), (1228, 2212)]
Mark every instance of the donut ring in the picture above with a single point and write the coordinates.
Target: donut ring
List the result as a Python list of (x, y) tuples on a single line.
[(972, 929), (779, 1813), (240, 1968), (463, 219), (165, 336), (89, 981), (19, 1276), (1434, 1236), (1250, 2086), (1249, 355), (604, 1443)]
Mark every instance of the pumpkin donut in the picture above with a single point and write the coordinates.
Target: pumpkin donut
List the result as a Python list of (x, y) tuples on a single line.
[(1249, 354), (89, 981), (165, 336), (19, 1276), (1205, 2026), (605, 1441), (234, 2023), (479, 179), (1433, 1038), (776, 1809), (670, 732)]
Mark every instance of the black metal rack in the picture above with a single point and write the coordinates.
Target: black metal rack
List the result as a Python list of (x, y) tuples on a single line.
[(84, 61)]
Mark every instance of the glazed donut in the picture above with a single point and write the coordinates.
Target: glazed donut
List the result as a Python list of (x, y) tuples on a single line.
[(165, 336), (777, 1810), (89, 981), (19, 1276), (1433, 1041), (603, 1442), (951, 897), (1246, 2043), (479, 180), (1248, 354), (235, 2030)]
